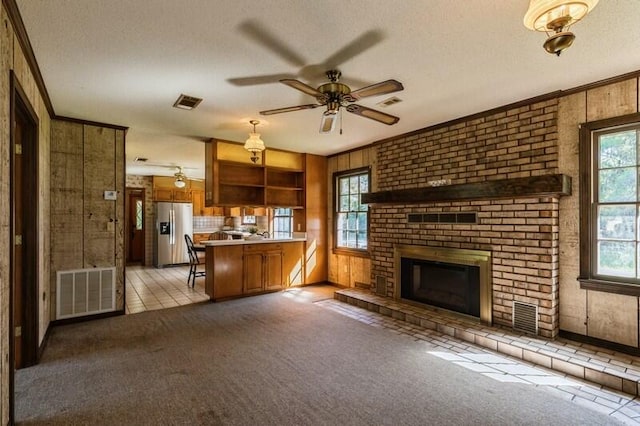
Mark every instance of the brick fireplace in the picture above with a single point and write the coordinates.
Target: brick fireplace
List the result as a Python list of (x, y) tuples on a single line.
[(481, 157)]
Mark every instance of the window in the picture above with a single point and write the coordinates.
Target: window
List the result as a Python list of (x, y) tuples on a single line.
[(139, 211), (610, 204), (352, 217), (282, 222)]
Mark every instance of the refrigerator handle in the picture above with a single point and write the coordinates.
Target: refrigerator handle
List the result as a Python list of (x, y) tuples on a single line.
[(172, 220)]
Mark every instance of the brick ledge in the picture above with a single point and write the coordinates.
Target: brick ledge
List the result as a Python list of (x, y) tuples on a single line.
[(616, 371)]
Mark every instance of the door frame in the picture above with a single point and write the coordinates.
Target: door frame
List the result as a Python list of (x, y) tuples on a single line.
[(127, 224), (20, 105)]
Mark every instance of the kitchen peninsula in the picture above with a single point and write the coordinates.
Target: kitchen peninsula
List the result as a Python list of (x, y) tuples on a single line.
[(245, 267)]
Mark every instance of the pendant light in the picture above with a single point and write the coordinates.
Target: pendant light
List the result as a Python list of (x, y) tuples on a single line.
[(254, 144)]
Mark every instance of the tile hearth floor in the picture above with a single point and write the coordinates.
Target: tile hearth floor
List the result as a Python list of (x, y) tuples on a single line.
[(453, 339), (149, 288)]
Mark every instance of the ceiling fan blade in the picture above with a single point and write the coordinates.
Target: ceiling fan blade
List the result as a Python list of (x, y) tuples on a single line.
[(381, 88), (262, 36), (258, 79), (353, 49), (328, 122), (289, 109), (298, 85), (372, 114)]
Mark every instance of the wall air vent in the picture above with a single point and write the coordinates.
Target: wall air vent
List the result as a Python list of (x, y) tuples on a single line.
[(389, 101), (187, 102), (83, 292), (140, 160), (444, 217), (525, 317)]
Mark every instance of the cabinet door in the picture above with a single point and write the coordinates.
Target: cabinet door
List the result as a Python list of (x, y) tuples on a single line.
[(163, 194), (273, 270), (182, 196), (253, 272), (197, 198)]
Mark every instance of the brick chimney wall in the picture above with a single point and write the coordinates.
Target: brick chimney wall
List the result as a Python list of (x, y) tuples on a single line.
[(521, 233)]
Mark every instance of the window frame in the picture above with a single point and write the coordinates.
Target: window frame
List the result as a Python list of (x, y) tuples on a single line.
[(588, 160), (336, 195), (274, 216)]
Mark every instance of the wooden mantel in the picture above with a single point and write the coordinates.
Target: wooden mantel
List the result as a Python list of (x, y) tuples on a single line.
[(534, 186)]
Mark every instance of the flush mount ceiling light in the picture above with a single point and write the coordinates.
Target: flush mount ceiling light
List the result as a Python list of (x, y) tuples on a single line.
[(254, 144), (554, 17)]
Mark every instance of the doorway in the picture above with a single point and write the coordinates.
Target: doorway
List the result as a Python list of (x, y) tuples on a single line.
[(23, 187), (135, 241)]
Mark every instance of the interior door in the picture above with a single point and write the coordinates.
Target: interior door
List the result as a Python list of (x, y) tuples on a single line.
[(24, 230), (135, 221)]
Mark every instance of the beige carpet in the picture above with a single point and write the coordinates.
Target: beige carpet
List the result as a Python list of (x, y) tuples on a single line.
[(275, 359)]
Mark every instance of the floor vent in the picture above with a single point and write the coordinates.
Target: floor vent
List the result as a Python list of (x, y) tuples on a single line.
[(525, 317), (381, 285), (84, 292)]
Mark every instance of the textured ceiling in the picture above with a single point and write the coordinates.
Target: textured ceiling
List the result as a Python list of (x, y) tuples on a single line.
[(125, 62)]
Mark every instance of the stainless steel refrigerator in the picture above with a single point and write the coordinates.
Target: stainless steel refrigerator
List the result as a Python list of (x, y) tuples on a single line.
[(173, 221)]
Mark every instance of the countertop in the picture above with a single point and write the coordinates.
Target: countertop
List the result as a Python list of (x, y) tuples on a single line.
[(241, 242)]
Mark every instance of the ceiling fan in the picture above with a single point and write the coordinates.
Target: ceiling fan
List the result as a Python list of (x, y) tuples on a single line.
[(334, 95)]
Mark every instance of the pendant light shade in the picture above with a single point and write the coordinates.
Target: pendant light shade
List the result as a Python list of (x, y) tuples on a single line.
[(555, 17), (254, 144)]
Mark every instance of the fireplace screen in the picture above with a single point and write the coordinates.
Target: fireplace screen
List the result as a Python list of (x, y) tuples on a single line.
[(445, 285)]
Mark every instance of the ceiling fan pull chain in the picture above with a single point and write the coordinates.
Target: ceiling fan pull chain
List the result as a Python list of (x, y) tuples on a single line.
[(340, 111)]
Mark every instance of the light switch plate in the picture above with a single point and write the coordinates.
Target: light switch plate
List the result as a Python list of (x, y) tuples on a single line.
[(110, 195)]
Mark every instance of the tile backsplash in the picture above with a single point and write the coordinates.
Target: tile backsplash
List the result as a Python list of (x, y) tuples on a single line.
[(207, 223)]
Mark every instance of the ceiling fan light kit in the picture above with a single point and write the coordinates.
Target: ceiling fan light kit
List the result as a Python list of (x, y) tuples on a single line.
[(254, 144), (334, 95), (554, 17), (180, 178)]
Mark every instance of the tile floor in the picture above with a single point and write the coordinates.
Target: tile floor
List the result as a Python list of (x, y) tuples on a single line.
[(149, 288), (619, 405)]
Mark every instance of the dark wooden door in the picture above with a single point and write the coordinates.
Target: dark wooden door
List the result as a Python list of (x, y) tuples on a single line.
[(24, 230), (135, 220), (18, 231)]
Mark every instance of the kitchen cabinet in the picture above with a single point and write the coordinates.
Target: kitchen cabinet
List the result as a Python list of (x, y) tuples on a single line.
[(232, 180), (165, 190), (197, 198), (245, 268), (262, 267)]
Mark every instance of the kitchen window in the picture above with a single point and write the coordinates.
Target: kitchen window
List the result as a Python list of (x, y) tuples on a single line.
[(282, 222), (610, 205), (352, 217)]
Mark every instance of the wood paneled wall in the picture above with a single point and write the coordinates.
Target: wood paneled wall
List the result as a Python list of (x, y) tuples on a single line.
[(596, 314), (87, 231), (348, 270), (13, 58)]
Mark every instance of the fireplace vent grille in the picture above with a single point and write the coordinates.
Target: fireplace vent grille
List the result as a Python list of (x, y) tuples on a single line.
[(381, 285), (444, 217), (525, 317)]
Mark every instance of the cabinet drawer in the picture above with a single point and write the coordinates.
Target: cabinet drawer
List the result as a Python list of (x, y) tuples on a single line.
[(253, 248)]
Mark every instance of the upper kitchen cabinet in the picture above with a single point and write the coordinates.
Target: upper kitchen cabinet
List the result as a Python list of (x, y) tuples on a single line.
[(165, 190), (232, 179)]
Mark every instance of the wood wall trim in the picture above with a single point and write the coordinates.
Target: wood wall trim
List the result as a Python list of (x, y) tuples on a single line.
[(545, 97), (534, 186), (23, 38), (90, 123)]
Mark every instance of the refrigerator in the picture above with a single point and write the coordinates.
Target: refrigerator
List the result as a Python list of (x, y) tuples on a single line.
[(173, 221)]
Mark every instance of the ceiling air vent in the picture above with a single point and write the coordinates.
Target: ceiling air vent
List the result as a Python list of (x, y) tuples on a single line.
[(389, 101), (187, 102), (140, 160)]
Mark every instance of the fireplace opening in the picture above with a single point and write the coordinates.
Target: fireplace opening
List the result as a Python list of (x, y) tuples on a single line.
[(458, 280), (449, 286)]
